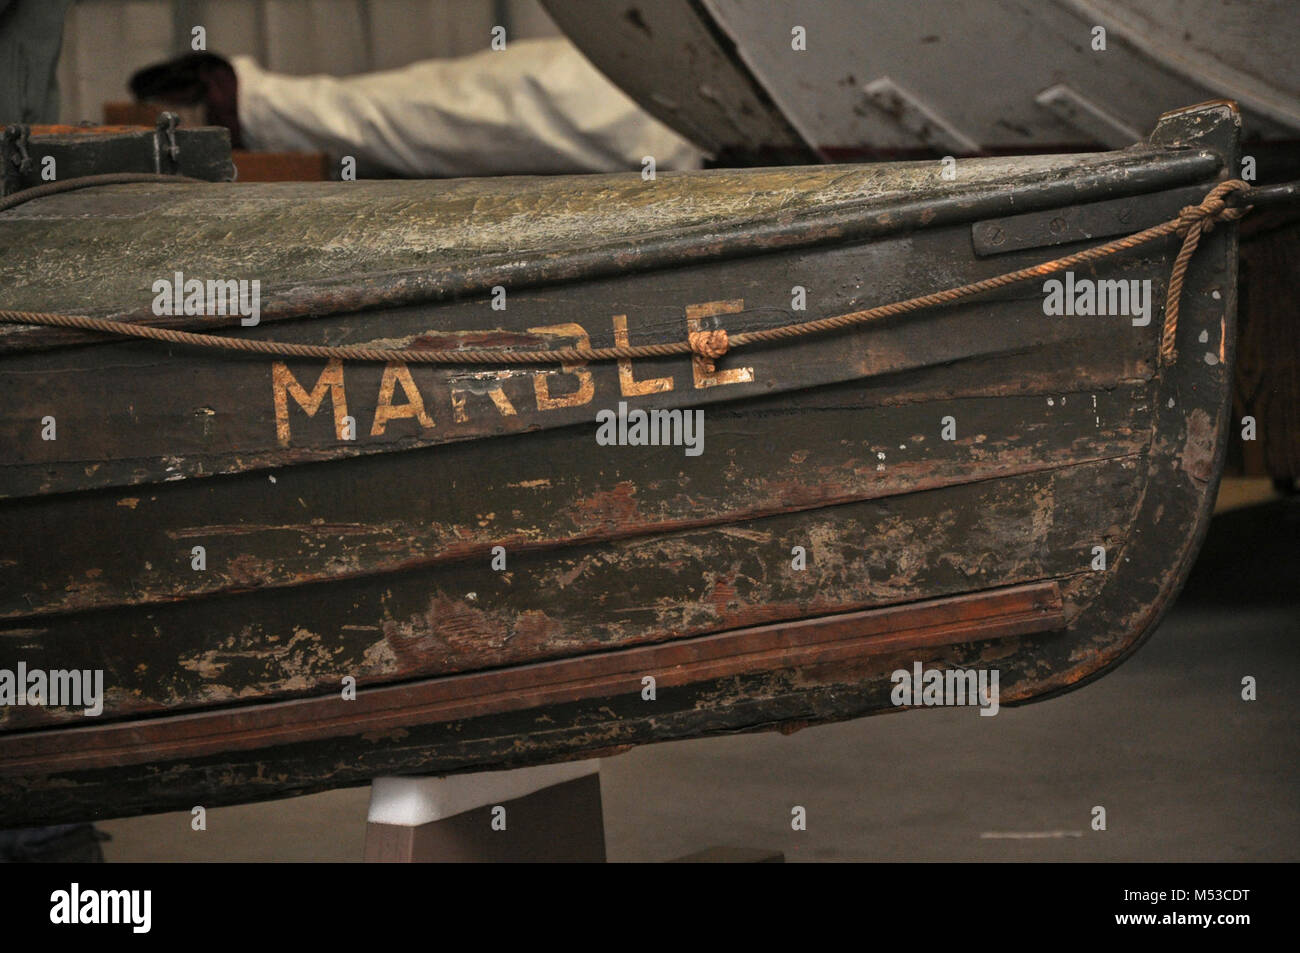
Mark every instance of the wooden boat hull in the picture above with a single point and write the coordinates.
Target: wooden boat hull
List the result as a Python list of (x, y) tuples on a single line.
[(370, 559), (876, 79)]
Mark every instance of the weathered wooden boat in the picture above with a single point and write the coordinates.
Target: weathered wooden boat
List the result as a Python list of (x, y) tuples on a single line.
[(234, 539), (853, 79)]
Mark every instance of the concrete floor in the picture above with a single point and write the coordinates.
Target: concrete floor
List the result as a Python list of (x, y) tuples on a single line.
[(1185, 769)]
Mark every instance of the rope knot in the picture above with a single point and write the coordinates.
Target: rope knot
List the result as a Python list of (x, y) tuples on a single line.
[(708, 346), (1193, 220), (1213, 208)]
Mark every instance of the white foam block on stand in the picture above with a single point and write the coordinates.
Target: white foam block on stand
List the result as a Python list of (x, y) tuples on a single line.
[(410, 802)]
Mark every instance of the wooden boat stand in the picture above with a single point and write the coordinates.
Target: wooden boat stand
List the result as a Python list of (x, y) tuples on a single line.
[(551, 813), (548, 813)]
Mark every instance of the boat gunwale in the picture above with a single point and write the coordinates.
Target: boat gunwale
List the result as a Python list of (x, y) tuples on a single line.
[(1138, 171)]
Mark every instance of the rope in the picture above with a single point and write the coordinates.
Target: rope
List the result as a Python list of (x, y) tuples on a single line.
[(707, 346), (1195, 219), (86, 182)]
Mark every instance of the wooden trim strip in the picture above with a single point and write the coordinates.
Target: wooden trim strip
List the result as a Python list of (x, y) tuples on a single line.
[(822, 640)]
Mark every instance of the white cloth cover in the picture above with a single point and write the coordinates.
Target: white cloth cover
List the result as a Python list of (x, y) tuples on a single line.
[(537, 106), (410, 802)]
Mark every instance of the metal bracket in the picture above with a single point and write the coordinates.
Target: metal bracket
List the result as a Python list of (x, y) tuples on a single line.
[(168, 154), (16, 156), (1079, 223)]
